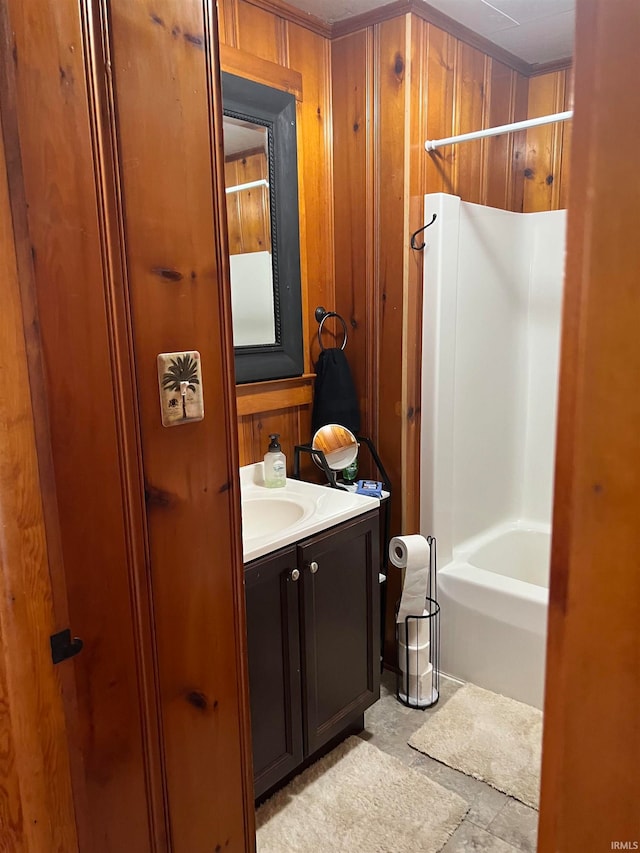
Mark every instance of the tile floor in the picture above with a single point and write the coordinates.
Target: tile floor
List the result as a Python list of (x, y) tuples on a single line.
[(495, 822)]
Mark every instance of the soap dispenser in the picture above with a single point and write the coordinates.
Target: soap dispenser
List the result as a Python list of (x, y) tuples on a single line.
[(275, 464)]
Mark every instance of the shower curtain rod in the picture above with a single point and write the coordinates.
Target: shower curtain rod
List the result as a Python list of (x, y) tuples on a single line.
[(431, 145), (262, 182)]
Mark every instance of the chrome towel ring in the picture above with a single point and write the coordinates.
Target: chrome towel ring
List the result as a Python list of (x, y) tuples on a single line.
[(321, 315)]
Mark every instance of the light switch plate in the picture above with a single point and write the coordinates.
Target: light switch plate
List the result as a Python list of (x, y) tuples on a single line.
[(180, 383)]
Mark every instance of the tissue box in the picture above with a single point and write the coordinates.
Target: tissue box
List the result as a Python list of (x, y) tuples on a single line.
[(369, 487)]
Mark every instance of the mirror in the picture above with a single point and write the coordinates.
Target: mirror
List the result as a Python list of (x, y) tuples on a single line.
[(261, 178), (338, 444)]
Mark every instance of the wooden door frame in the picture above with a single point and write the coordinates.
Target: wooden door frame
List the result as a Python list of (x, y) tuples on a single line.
[(20, 141), (82, 112), (591, 747)]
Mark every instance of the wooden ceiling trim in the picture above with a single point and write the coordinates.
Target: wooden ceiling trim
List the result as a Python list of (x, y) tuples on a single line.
[(549, 67), (245, 64), (296, 16), (422, 10), (371, 18), (438, 19)]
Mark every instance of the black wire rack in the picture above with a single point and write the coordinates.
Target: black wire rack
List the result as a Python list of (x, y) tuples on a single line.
[(418, 643)]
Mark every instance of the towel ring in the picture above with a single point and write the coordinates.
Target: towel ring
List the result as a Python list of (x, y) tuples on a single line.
[(344, 328)]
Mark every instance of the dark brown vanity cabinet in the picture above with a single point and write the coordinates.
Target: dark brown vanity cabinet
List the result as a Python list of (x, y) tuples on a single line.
[(313, 627), (273, 639)]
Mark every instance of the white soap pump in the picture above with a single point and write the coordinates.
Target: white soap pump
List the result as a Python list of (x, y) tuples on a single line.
[(275, 464)]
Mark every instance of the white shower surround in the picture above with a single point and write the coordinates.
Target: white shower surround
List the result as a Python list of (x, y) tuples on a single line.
[(491, 331)]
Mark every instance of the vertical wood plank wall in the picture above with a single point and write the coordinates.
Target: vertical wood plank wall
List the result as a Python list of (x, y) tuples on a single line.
[(189, 470), (273, 37), (162, 630), (546, 172), (403, 81), (370, 99), (92, 522), (396, 83), (248, 218), (588, 802)]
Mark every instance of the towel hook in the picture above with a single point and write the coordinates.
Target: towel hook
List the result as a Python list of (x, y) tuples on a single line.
[(321, 315), (415, 234)]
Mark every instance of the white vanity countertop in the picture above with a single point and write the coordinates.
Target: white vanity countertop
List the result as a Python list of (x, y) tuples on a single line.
[(274, 518)]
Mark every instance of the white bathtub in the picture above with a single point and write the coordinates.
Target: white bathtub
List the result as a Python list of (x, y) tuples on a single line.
[(494, 597)]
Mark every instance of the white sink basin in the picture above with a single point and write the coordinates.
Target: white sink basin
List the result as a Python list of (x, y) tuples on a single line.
[(264, 515), (274, 518)]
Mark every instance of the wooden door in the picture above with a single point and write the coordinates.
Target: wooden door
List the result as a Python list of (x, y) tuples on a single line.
[(340, 627), (273, 642), (35, 815), (111, 117), (591, 750)]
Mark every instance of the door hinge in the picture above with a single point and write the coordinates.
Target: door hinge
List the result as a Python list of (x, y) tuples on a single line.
[(63, 647)]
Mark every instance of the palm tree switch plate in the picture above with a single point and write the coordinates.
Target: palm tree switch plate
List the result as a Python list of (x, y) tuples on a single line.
[(180, 381)]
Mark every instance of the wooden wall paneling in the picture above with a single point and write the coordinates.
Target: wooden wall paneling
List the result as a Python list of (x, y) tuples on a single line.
[(12, 822), (302, 223), (93, 435), (248, 211), (256, 397), (234, 213), (227, 26), (352, 74), (261, 33), (310, 54), (35, 815), (567, 138), (544, 144), (256, 218), (439, 88), (434, 17), (173, 220), (589, 804), (515, 199), (471, 107), (418, 164), (282, 406), (227, 369), (304, 429), (294, 15), (254, 430), (246, 454), (282, 421), (391, 139), (499, 149)]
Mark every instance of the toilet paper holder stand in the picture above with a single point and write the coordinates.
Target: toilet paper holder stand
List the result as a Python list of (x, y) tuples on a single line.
[(418, 644)]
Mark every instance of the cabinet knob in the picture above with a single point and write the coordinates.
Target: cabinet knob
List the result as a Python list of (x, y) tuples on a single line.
[(295, 574), (313, 567)]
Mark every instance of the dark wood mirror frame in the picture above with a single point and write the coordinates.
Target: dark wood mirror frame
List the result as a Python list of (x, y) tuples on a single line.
[(276, 111)]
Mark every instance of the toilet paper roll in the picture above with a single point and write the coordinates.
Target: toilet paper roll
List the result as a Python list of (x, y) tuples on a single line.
[(417, 630), (414, 659), (418, 690), (411, 553)]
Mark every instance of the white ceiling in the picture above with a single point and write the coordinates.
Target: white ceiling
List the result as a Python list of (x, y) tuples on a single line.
[(535, 30), (242, 136)]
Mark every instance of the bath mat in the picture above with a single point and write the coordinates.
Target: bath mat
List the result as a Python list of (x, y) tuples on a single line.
[(358, 799), (489, 737)]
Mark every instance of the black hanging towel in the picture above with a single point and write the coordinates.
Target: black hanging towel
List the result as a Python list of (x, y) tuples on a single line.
[(334, 398)]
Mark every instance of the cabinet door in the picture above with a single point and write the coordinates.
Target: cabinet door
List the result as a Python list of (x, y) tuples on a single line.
[(273, 638), (340, 627)]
